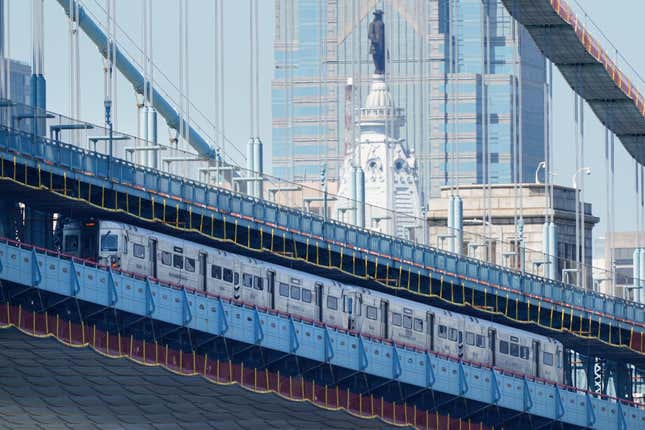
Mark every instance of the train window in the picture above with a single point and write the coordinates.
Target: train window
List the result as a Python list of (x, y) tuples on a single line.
[(284, 289), (190, 264), (418, 324), (258, 283), (138, 251), (332, 302), (166, 258), (295, 292), (443, 331), (178, 261), (247, 280), (470, 338), (109, 242), (515, 350), (306, 296), (524, 352), (71, 243), (407, 321), (503, 347), (216, 272), (227, 275), (547, 358), (453, 334), (348, 304), (371, 312), (397, 319), (481, 341)]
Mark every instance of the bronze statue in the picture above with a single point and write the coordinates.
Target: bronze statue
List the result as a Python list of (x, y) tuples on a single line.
[(376, 36)]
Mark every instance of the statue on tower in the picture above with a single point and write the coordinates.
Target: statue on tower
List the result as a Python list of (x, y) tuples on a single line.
[(376, 35)]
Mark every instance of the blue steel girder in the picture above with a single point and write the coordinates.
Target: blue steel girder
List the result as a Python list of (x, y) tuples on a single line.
[(423, 273), (475, 382)]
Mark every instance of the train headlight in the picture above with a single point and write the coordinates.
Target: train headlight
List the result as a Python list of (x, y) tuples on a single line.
[(115, 261)]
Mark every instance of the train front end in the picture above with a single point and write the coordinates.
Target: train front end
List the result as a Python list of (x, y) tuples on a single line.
[(97, 241)]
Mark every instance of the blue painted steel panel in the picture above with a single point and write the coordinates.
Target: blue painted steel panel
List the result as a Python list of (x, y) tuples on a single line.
[(373, 356)]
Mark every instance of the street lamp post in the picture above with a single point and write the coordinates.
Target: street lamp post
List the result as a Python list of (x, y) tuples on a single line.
[(581, 278)]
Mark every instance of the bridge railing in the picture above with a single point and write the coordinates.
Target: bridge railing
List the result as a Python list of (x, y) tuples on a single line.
[(71, 157)]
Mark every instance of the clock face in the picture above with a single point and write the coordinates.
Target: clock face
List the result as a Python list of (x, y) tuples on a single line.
[(400, 165), (374, 168)]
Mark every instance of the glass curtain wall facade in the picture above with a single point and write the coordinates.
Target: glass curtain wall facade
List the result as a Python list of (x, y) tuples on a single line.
[(468, 98)]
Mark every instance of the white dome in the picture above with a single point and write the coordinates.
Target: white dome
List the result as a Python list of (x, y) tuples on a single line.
[(379, 96)]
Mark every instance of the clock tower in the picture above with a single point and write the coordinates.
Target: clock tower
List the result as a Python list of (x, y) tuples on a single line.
[(389, 170)]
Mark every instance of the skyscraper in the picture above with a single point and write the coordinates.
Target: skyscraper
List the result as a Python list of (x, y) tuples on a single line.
[(470, 79)]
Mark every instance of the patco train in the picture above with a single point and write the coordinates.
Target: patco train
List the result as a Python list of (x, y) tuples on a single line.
[(302, 294)]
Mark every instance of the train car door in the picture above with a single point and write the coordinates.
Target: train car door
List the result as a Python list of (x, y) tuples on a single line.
[(537, 371), (492, 345), (203, 278), (89, 248), (152, 249), (349, 300), (319, 300), (385, 315), (271, 288), (430, 330)]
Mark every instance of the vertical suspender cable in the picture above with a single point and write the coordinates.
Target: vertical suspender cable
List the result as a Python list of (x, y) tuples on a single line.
[(637, 192), (638, 294), (77, 63), (181, 71), (7, 25), (551, 145), (489, 175), (583, 263), (520, 155), (113, 76), (257, 69), (485, 179), (251, 76), (186, 70), (455, 89), (320, 78), (577, 193), (515, 145), (215, 73), (612, 198), (290, 65), (608, 232), (222, 121)]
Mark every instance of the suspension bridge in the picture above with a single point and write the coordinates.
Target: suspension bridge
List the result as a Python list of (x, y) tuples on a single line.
[(61, 165)]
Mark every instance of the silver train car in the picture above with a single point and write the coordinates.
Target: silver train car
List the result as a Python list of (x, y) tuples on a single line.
[(302, 294)]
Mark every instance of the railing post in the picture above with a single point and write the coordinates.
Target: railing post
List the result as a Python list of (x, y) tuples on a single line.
[(74, 284), (294, 344), (36, 276), (150, 302)]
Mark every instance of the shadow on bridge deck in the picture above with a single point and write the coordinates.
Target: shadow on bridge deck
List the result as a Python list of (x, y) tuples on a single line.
[(46, 385)]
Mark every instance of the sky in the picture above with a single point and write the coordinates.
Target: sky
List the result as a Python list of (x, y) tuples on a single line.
[(619, 20)]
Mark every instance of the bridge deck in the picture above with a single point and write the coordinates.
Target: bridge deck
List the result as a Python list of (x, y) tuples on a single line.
[(58, 176), (48, 272)]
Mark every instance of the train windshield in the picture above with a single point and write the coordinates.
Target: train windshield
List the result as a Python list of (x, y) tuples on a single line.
[(71, 244), (109, 242)]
